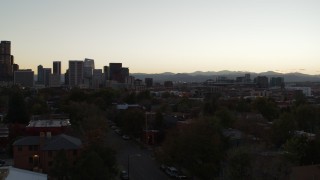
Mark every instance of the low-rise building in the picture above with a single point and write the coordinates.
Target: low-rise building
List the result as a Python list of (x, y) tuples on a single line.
[(37, 153)]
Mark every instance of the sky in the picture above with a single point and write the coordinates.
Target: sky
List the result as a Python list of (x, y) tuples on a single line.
[(155, 36)]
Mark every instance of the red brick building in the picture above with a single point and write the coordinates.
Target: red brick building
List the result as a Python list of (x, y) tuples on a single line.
[(36, 153)]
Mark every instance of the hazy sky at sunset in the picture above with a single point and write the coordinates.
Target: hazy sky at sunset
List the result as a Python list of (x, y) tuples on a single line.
[(155, 36)]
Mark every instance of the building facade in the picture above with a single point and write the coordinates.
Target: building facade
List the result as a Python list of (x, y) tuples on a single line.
[(6, 61), (57, 67), (148, 82), (37, 153), (46, 76), (262, 81), (75, 73), (40, 74), (24, 78)]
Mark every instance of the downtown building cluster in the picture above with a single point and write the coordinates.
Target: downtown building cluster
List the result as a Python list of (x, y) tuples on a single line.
[(83, 74), (80, 73)]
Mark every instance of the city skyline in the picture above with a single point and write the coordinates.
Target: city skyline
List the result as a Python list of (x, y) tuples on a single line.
[(167, 36)]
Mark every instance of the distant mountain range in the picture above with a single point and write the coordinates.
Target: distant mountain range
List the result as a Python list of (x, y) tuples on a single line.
[(200, 76)]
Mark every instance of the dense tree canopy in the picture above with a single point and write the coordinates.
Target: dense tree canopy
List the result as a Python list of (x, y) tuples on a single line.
[(198, 147)]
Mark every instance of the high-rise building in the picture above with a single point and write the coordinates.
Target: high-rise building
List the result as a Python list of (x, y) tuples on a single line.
[(66, 77), (46, 76), (88, 67), (56, 75), (97, 78), (115, 71), (75, 73), (124, 74), (6, 61), (54, 80), (40, 74), (277, 82), (148, 82), (118, 73), (15, 67), (57, 67), (24, 78), (262, 81), (106, 72), (247, 78)]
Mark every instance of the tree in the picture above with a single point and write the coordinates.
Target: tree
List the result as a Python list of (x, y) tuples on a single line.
[(198, 147), (133, 121), (303, 151), (61, 168), (299, 98), (104, 97), (226, 117), (239, 164), (243, 105), (307, 117), (211, 104), (296, 148), (283, 129), (267, 108), (96, 162), (17, 111), (89, 120)]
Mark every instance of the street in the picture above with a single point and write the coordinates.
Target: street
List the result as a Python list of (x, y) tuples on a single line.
[(142, 165)]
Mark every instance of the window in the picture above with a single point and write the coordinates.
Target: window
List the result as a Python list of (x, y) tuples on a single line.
[(50, 163), (30, 148), (19, 148), (35, 148)]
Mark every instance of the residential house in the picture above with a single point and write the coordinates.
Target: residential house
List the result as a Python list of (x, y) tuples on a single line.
[(37, 153)]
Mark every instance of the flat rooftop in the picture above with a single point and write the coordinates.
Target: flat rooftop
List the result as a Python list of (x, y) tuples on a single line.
[(49, 123)]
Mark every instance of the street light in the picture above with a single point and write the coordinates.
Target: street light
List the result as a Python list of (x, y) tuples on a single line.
[(129, 156)]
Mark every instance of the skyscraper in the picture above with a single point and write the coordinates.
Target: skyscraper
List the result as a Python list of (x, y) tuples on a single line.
[(56, 75), (277, 82), (97, 78), (24, 78), (46, 76), (115, 71), (40, 74), (6, 61), (57, 67), (118, 73), (75, 73), (88, 67), (106, 72), (262, 81), (148, 82)]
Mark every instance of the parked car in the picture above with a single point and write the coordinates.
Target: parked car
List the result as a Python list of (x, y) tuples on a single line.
[(2, 162), (126, 137), (163, 167), (181, 176), (118, 131), (171, 171), (114, 127), (124, 175)]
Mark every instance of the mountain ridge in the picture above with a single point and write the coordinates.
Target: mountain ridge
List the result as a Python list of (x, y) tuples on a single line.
[(200, 76)]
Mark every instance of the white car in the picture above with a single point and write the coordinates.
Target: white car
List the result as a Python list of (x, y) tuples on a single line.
[(125, 137)]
